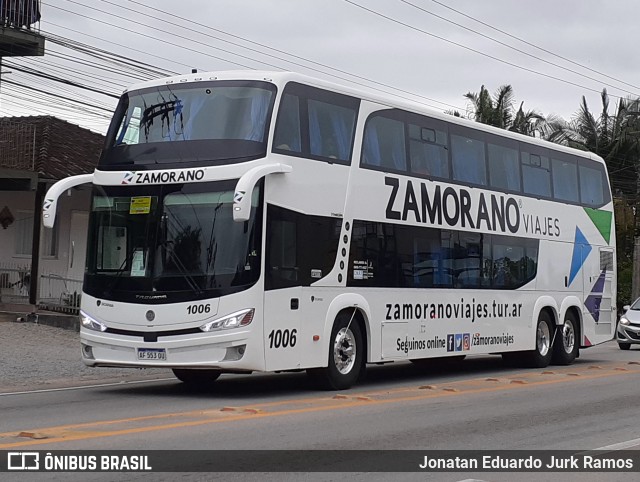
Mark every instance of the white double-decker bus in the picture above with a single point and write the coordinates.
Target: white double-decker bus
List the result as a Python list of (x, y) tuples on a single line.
[(255, 221)]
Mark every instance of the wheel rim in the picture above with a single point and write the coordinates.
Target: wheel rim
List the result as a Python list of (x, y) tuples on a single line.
[(568, 336), (543, 339), (344, 351)]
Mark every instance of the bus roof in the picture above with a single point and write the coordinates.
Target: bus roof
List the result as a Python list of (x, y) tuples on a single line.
[(389, 101)]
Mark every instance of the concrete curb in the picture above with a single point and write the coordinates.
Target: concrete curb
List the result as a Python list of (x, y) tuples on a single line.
[(58, 320)]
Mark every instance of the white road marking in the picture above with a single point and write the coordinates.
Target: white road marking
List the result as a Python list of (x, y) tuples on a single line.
[(621, 445), (80, 387)]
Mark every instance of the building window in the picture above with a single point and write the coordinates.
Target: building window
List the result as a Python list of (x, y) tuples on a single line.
[(23, 233), (24, 236)]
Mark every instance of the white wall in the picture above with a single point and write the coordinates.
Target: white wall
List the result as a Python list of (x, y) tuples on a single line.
[(24, 200)]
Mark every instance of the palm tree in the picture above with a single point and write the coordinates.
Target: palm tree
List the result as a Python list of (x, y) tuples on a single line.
[(614, 137), (498, 111)]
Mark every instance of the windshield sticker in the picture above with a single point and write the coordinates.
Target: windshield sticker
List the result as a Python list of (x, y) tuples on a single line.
[(140, 205), (362, 269), (137, 263)]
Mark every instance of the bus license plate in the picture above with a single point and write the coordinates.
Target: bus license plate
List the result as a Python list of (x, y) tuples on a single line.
[(152, 354)]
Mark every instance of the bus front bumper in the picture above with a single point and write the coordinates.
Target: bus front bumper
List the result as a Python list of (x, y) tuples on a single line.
[(225, 351)]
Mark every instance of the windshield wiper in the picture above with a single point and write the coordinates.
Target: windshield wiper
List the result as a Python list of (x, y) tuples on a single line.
[(122, 269), (182, 270)]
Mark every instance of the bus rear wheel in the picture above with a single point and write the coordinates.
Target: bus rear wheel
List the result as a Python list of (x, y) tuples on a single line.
[(346, 355), (540, 356), (565, 347), (193, 377)]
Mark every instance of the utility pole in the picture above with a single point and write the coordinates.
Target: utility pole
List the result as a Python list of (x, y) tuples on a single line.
[(635, 274), (1, 74)]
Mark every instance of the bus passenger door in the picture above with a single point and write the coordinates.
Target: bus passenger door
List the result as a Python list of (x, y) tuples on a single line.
[(283, 291), (598, 296)]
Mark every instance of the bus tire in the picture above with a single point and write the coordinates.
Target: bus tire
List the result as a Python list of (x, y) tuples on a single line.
[(540, 356), (565, 346), (624, 346), (195, 377), (346, 355)]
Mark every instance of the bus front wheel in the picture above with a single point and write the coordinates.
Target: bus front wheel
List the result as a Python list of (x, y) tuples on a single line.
[(195, 377), (346, 355)]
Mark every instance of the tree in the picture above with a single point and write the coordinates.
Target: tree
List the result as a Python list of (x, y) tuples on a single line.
[(499, 111)]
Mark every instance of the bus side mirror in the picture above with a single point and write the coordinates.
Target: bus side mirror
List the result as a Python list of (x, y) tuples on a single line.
[(50, 204), (244, 188)]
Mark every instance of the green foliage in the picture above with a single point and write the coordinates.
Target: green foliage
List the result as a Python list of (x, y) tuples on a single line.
[(625, 276), (625, 227), (499, 111)]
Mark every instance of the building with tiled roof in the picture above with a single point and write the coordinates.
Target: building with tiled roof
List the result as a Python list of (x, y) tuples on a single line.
[(35, 152)]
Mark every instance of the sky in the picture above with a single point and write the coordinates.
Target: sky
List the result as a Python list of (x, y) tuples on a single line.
[(551, 52)]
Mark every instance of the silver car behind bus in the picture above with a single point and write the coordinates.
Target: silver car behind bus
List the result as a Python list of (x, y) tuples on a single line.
[(628, 331)]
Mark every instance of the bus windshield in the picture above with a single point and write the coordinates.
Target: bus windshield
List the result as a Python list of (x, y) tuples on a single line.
[(170, 243), (204, 121)]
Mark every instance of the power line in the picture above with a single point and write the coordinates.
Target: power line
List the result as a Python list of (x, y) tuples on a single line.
[(504, 44), (59, 68), (533, 45), (147, 35), (55, 95), (37, 73), (107, 56), (484, 54), (174, 15), (253, 59)]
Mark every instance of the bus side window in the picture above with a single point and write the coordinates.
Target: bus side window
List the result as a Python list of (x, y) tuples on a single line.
[(468, 254), (428, 151), (565, 179), (384, 144), (536, 174), (282, 255), (504, 168), (287, 135), (318, 237), (468, 160), (592, 184), (330, 130), (316, 124)]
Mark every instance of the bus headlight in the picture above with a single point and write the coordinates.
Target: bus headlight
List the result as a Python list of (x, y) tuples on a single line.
[(624, 321), (90, 323), (234, 320)]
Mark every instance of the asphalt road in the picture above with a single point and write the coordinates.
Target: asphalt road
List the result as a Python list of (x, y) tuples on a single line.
[(475, 405)]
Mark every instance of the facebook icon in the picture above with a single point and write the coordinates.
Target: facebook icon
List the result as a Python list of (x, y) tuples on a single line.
[(450, 343)]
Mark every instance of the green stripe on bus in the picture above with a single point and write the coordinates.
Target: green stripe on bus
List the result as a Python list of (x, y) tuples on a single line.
[(602, 221)]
